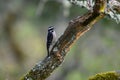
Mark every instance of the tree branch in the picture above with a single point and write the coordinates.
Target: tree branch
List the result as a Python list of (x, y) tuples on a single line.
[(117, 9), (115, 5), (75, 29)]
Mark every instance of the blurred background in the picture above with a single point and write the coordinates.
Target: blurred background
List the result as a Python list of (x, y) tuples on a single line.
[(23, 31)]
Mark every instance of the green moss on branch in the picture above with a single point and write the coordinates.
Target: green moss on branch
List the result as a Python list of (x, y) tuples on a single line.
[(112, 75)]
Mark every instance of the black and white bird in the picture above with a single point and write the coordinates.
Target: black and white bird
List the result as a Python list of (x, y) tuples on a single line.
[(51, 38)]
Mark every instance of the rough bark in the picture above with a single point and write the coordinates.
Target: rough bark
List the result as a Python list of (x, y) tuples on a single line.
[(76, 28)]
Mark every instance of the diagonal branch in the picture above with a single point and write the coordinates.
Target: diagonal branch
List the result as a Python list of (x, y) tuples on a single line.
[(75, 29)]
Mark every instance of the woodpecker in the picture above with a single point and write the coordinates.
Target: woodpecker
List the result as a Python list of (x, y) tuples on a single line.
[(51, 38)]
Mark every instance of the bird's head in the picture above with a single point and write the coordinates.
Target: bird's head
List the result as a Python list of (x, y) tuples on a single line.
[(51, 29)]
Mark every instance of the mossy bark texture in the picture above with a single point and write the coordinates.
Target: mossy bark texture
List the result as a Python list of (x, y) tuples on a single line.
[(113, 75)]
